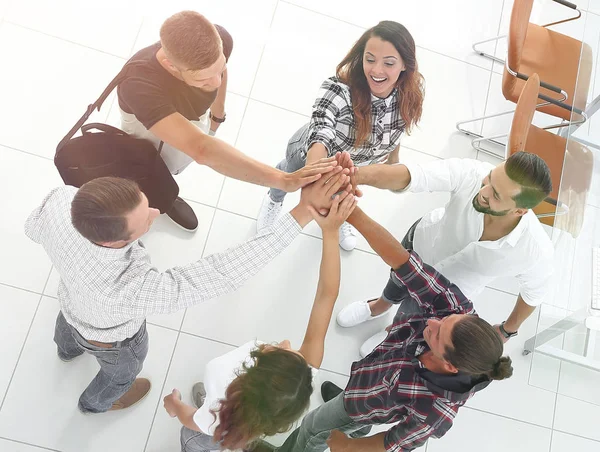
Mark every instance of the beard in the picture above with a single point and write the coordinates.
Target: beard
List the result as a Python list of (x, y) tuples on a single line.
[(486, 210)]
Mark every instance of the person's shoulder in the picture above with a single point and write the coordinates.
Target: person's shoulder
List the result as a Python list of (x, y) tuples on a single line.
[(226, 39), (536, 236)]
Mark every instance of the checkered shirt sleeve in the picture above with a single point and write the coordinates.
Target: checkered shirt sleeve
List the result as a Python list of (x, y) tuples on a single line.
[(430, 289), (332, 102), (212, 276)]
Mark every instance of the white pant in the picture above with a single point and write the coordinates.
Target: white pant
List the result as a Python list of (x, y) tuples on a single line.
[(175, 160)]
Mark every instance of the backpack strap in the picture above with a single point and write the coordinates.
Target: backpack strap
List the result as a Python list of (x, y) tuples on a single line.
[(121, 76)]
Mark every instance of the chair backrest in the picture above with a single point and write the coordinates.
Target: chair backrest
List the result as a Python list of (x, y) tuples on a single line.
[(519, 21), (523, 115), (570, 163)]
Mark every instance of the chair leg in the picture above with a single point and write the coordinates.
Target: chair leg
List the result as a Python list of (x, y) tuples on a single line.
[(488, 55)]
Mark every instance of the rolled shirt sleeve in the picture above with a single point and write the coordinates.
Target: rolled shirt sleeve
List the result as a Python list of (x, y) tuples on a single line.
[(331, 101)]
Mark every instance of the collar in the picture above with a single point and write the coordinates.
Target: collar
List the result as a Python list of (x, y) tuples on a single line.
[(512, 238), (104, 253), (378, 102), (451, 396)]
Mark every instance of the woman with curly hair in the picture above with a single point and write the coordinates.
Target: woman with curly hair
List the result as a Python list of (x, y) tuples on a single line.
[(376, 96), (260, 389)]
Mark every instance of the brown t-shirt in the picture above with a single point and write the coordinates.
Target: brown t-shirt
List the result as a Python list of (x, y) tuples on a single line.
[(151, 93)]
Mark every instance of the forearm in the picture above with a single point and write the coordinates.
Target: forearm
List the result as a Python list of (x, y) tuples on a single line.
[(382, 242), (329, 273), (316, 152), (520, 312), (230, 162), (387, 177), (373, 443), (215, 275), (185, 414), (218, 106)]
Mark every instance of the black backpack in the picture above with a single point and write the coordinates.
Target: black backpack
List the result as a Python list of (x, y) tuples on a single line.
[(104, 150)]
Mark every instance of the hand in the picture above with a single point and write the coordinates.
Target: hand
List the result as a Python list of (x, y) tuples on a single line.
[(354, 182), (389, 327), (309, 174), (320, 195), (171, 402), (344, 159), (504, 339), (213, 127), (338, 442), (339, 212)]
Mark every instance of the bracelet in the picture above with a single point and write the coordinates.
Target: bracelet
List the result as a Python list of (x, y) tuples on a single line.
[(219, 120)]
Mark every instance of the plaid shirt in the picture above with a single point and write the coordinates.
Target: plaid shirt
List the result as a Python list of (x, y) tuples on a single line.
[(106, 293), (333, 124), (386, 386)]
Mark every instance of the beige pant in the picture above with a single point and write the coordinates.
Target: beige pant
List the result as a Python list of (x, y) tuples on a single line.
[(175, 160)]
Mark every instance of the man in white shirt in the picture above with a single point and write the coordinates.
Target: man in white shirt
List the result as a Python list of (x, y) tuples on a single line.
[(486, 230), (108, 285)]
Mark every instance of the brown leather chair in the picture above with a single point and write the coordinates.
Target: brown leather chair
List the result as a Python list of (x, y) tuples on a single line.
[(563, 64), (570, 163)]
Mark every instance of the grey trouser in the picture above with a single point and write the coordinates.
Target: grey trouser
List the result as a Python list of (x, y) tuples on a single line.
[(294, 160), (317, 425), (119, 364), (192, 441)]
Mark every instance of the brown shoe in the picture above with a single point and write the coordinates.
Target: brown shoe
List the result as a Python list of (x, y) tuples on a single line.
[(183, 215), (139, 389)]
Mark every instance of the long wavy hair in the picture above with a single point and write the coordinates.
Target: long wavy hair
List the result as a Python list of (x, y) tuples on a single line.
[(265, 398), (410, 83)]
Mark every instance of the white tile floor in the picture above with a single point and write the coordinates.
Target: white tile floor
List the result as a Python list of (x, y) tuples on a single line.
[(58, 56)]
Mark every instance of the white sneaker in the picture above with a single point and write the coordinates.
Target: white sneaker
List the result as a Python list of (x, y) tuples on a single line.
[(268, 214), (347, 237), (355, 314), (371, 343)]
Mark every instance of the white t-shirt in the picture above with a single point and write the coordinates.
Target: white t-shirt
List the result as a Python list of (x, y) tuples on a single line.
[(218, 374), (448, 237)]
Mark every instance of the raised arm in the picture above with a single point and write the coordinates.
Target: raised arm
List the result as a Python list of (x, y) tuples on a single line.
[(227, 160), (225, 272), (382, 242), (386, 177), (329, 280)]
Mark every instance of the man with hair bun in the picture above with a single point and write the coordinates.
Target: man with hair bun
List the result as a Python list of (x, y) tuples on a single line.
[(174, 96), (436, 355)]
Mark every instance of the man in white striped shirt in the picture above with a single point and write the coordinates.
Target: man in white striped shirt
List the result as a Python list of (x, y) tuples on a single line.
[(108, 285)]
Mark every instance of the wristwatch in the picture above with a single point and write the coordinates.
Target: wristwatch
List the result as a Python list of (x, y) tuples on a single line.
[(219, 120), (505, 333)]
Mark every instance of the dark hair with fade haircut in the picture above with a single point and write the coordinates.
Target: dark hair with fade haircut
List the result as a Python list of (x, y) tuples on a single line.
[(100, 207), (532, 174), (477, 349), (191, 40)]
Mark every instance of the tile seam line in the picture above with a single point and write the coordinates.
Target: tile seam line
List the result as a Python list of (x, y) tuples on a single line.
[(14, 370), (25, 27), (29, 444), (164, 383), (365, 28)]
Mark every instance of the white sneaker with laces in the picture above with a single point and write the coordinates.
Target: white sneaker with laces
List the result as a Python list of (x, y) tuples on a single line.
[(268, 214), (355, 314), (371, 343), (347, 237)]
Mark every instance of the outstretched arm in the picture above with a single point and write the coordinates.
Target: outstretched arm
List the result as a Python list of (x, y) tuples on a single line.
[(382, 242), (329, 280)]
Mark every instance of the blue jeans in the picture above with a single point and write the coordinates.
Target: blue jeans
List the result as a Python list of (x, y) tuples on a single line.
[(119, 364), (295, 159), (317, 425), (192, 441)]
